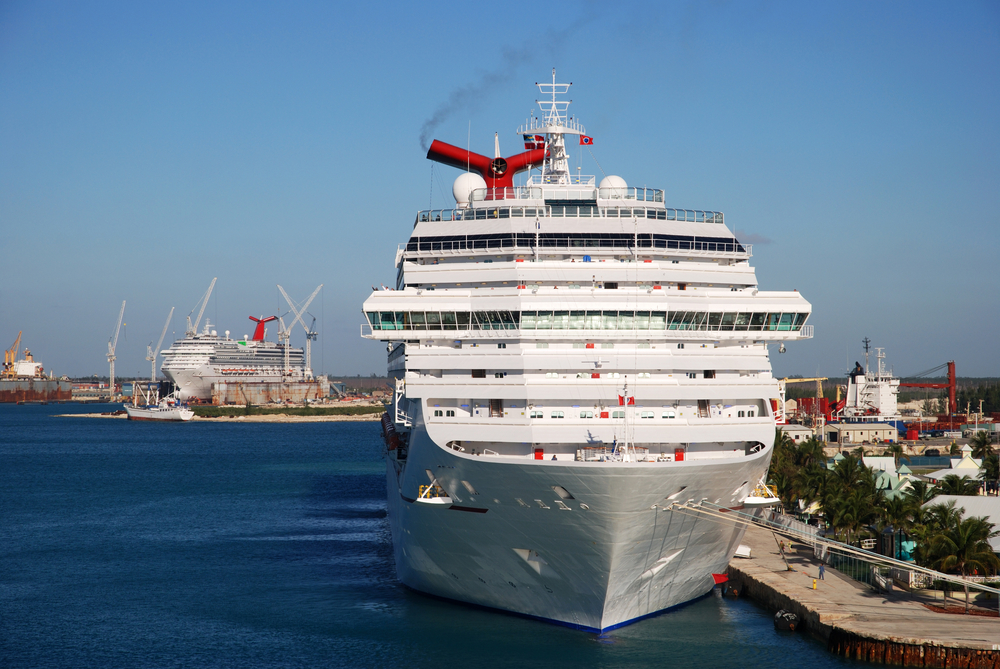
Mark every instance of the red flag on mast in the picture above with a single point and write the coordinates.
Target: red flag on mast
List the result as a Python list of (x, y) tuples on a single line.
[(621, 400)]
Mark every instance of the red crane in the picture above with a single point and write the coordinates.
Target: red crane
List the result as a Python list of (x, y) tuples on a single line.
[(952, 404)]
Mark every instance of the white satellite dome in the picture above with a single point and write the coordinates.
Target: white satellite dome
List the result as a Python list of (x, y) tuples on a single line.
[(613, 188), (464, 185)]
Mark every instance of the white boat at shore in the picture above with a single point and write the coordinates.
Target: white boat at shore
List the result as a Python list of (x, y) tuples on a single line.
[(168, 408)]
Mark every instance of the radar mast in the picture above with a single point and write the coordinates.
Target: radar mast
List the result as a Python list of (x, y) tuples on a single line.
[(554, 124)]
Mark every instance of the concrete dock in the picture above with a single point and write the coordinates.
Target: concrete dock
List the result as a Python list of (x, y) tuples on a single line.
[(854, 620)]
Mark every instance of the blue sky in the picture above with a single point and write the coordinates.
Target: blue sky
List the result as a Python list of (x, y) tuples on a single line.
[(146, 148)]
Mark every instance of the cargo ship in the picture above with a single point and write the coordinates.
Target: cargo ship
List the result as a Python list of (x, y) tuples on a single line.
[(23, 379)]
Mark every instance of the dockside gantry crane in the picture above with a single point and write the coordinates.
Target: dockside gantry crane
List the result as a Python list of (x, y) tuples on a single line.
[(297, 311), (780, 418), (151, 353), (112, 345), (10, 358)]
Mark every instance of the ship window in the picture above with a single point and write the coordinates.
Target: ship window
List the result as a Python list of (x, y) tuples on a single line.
[(552, 375), (593, 320), (643, 375), (642, 320), (714, 318), (450, 413), (741, 321), (577, 320), (586, 414), (560, 320), (646, 414), (438, 412), (558, 414), (501, 345), (626, 320), (728, 319), (617, 414), (642, 344), (388, 320), (373, 320), (448, 320), (610, 320), (709, 373), (479, 373), (433, 320), (528, 320), (610, 285), (751, 413), (499, 375), (607, 345), (542, 344), (578, 344), (537, 414), (757, 320), (741, 414), (416, 320), (544, 320), (785, 322), (669, 414), (692, 375), (496, 408), (682, 286), (462, 320)]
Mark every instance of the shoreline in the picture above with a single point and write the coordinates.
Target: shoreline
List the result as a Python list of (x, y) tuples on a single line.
[(261, 418)]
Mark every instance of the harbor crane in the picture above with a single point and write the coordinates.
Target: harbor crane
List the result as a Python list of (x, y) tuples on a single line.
[(780, 417), (10, 358), (152, 352), (112, 345), (297, 312), (950, 385), (193, 329)]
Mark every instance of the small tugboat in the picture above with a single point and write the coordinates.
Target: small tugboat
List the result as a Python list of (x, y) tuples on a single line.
[(786, 621), (168, 408)]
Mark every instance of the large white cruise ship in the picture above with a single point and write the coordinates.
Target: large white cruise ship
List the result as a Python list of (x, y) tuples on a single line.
[(200, 360), (571, 360)]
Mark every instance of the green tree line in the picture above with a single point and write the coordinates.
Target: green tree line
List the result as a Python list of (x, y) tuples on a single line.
[(854, 508)]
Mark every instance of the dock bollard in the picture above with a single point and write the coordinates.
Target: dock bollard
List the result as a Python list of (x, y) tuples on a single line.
[(814, 584)]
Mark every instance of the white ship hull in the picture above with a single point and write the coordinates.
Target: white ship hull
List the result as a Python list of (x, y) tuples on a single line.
[(577, 366), (621, 556)]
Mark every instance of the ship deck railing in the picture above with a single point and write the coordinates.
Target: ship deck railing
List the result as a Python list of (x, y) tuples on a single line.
[(579, 188), (570, 211), (368, 332), (586, 245)]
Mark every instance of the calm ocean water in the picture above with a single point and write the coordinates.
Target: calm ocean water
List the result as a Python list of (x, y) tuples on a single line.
[(129, 544)]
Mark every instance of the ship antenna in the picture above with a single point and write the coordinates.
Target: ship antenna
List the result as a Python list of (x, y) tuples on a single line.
[(554, 122)]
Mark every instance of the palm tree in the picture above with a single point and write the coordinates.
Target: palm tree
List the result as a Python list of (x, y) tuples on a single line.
[(953, 484), (990, 470), (982, 445), (954, 449), (965, 547), (919, 493), (896, 451)]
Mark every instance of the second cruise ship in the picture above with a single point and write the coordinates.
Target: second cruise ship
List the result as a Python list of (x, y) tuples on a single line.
[(572, 360)]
